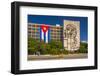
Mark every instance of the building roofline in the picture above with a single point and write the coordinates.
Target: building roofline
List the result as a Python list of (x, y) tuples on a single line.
[(43, 24)]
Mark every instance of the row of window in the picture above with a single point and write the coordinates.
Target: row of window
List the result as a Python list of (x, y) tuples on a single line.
[(39, 28), (50, 29), (56, 32), (56, 35), (38, 31), (52, 36), (55, 27)]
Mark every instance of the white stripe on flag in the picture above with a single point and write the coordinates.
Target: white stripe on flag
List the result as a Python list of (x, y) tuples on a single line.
[(42, 34), (47, 37)]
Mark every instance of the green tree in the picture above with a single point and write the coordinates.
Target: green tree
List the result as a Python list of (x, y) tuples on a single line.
[(53, 47), (83, 48), (32, 45), (56, 44)]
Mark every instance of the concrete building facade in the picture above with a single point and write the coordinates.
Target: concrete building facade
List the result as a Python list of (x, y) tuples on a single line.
[(54, 32)]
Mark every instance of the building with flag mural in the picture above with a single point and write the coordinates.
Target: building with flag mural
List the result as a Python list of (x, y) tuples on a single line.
[(69, 33), (46, 33)]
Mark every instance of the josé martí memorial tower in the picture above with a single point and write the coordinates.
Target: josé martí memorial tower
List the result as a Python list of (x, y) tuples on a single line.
[(71, 35)]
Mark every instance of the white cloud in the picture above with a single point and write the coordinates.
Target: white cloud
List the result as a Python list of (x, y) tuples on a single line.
[(84, 41)]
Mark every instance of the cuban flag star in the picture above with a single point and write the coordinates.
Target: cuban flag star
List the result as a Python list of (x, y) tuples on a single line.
[(44, 33)]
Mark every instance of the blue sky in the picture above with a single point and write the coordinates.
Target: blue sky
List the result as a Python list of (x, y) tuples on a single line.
[(53, 20)]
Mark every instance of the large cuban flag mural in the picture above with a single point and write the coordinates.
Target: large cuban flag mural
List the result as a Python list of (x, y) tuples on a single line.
[(45, 33)]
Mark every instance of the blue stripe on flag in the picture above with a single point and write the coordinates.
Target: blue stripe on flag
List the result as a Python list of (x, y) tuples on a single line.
[(45, 37), (40, 34), (49, 35)]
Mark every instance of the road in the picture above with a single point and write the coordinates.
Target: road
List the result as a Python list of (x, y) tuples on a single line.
[(48, 57)]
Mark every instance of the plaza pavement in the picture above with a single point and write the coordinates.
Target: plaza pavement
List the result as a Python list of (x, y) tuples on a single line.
[(48, 57)]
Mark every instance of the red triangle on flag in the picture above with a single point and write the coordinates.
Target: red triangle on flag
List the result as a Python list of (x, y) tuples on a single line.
[(44, 28)]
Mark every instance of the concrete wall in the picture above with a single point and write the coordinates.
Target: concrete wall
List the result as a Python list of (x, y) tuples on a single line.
[(71, 34)]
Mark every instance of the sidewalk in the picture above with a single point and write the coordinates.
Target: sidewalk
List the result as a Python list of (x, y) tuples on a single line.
[(48, 57)]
